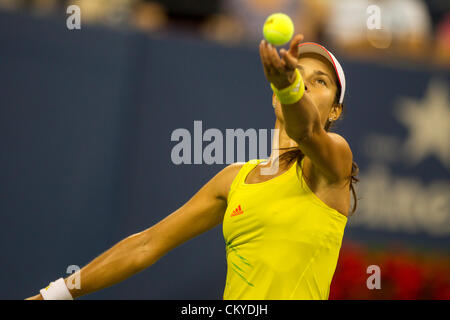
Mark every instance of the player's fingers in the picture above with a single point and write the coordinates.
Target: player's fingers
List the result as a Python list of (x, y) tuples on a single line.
[(264, 59), (270, 62), (274, 58), (261, 53), (293, 48), (289, 61)]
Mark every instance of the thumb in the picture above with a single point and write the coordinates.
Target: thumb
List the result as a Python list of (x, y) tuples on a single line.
[(293, 49)]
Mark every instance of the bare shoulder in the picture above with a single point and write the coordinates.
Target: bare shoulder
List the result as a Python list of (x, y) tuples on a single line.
[(346, 151), (225, 177), (341, 159), (234, 167), (339, 139)]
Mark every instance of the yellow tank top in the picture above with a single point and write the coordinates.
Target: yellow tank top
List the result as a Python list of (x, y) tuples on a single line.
[(282, 241)]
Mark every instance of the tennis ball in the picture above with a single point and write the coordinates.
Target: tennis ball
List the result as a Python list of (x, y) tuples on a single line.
[(278, 29)]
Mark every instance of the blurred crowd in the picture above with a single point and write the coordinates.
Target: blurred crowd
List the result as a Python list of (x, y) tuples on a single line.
[(414, 29), (404, 274)]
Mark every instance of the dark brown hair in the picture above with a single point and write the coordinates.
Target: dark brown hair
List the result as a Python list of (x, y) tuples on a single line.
[(296, 153)]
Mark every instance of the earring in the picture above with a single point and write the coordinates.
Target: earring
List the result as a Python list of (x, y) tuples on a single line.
[(330, 119)]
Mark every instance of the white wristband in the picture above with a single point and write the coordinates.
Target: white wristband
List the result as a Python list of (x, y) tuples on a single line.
[(56, 291)]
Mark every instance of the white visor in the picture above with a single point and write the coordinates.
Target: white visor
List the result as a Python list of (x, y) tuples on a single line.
[(311, 47)]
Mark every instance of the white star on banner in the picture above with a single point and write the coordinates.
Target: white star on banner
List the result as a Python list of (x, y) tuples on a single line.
[(428, 122)]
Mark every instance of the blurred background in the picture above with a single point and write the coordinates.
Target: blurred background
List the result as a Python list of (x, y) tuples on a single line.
[(86, 118)]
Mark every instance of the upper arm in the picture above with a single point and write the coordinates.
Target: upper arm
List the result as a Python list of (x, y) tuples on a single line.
[(202, 212), (329, 152)]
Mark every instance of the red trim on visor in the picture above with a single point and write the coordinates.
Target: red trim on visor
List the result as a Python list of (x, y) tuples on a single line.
[(331, 58)]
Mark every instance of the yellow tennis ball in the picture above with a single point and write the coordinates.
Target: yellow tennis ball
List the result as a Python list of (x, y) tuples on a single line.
[(278, 29)]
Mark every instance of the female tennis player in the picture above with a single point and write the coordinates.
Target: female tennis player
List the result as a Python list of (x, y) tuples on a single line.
[(283, 230)]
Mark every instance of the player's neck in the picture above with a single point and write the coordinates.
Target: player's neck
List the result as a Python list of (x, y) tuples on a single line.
[(280, 142)]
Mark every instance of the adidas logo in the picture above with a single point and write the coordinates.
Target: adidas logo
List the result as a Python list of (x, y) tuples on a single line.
[(237, 211)]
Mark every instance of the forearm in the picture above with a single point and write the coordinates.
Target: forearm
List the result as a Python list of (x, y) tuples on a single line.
[(300, 118), (118, 263)]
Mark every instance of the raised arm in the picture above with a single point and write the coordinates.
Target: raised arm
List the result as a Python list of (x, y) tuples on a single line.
[(202, 212), (302, 120)]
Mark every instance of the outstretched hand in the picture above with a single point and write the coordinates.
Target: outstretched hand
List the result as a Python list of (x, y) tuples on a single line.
[(280, 70)]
